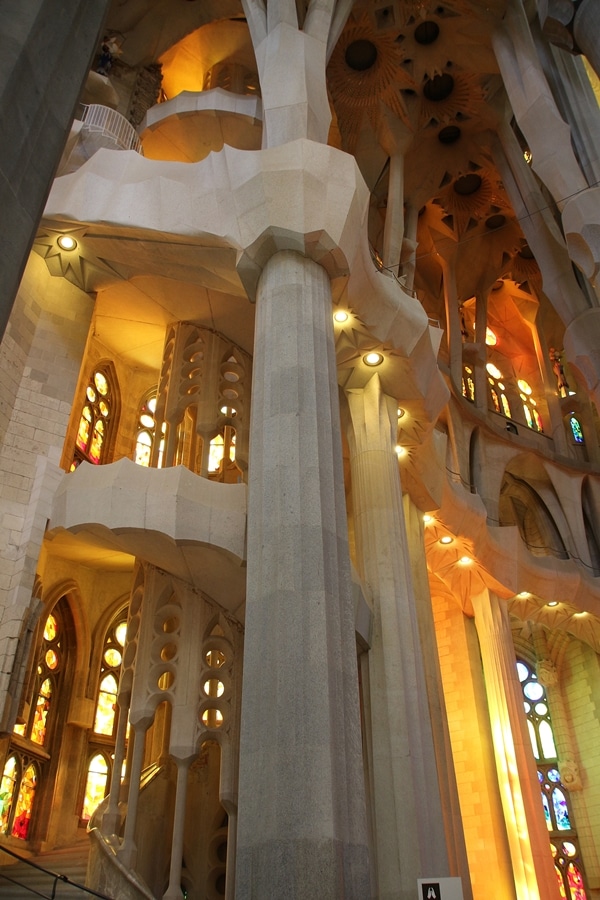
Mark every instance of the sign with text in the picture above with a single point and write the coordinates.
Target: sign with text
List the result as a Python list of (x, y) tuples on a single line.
[(440, 889)]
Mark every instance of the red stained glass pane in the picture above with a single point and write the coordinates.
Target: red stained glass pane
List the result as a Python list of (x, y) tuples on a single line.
[(23, 809)]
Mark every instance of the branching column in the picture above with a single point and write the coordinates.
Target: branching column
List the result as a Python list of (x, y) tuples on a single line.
[(408, 820), (301, 826), (519, 788)]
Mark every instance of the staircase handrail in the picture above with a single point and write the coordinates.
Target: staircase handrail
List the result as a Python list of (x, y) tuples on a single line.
[(57, 877)]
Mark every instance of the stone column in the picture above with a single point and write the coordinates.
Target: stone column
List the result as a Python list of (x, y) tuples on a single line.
[(46, 55), (301, 825), (532, 865), (453, 332), (407, 812)]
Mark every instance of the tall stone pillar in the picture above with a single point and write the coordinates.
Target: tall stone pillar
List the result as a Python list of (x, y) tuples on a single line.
[(408, 819), (532, 865), (302, 822), (46, 52)]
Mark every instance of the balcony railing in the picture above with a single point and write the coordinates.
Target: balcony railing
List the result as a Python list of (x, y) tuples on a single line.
[(112, 124)]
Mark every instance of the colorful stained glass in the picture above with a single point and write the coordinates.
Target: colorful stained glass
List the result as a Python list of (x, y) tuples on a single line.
[(505, 406), (91, 394), (40, 716), (575, 882), (95, 787), (576, 430), (470, 388), (101, 383), (493, 370), (104, 408), (561, 886), (495, 400), (50, 629), (7, 791), (528, 416), (97, 440), (51, 659), (120, 633), (143, 449), (547, 815), (83, 433), (106, 706), (561, 812), (112, 657), (538, 420), (24, 805)]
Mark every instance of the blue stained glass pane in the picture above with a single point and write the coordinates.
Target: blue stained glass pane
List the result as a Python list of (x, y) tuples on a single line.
[(576, 430), (561, 812), (547, 812), (553, 775), (522, 671)]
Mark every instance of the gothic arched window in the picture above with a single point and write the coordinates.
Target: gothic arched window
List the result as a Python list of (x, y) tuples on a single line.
[(97, 419), (555, 797), (147, 432)]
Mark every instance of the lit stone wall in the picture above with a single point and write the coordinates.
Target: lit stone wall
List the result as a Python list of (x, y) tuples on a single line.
[(470, 736), (39, 365)]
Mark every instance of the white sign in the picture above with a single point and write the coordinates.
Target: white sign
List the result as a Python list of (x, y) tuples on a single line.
[(440, 889)]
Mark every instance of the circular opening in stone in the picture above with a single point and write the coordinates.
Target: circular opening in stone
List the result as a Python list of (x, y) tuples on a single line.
[(427, 33), (449, 135), (438, 88), (468, 184), (525, 252), (361, 55)]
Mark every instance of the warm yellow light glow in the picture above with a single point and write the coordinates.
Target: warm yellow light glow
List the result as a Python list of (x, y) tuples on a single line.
[(490, 338), (523, 595), (400, 451), (400, 412), (340, 316), (446, 539), (66, 242), (524, 386), (465, 560), (552, 603), (493, 370), (428, 519), (373, 359)]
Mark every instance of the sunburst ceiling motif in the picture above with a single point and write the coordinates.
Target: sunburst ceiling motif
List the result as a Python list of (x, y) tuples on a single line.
[(366, 69)]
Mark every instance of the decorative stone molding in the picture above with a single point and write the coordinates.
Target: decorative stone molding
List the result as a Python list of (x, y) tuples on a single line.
[(546, 673)]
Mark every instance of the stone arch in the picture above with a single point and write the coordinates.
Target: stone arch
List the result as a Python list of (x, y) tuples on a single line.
[(521, 505)]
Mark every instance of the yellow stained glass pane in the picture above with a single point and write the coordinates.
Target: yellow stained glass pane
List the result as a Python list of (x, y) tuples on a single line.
[(97, 439), (101, 383), (90, 394), (7, 791), (143, 449), (106, 706), (83, 432), (120, 632), (112, 657), (493, 370), (95, 788), (104, 408), (524, 386), (50, 629), (215, 455), (51, 659), (40, 716)]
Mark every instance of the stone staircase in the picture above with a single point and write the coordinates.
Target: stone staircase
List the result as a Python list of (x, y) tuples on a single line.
[(27, 883)]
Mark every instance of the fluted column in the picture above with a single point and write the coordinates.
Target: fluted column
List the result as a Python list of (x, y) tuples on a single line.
[(407, 812), (301, 820), (532, 865)]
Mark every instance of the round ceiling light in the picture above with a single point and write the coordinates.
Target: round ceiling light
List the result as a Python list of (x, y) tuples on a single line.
[(340, 316), (373, 359), (66, 242)]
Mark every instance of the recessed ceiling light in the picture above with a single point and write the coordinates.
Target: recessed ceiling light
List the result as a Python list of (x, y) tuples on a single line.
[(523, 595), (400, 412), (373, 359), (552, 603), (66, 242), (446, 539), (340, 316), (400, 451), (427, 518), (465, 560)]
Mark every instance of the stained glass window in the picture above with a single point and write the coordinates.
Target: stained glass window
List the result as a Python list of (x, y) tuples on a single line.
[(468, 385), (105, 719), (49, 667), (24, 804), (147, 432), (554, 795), (96, 784), (576, 430), (95, 421), (8, 784), (40, 715)]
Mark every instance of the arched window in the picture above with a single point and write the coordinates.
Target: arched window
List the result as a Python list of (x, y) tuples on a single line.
[(101, 742), (147, 432), (49, 669), (499, 399), (576, 430), (96, 420), (532, 416), (555, 797), (17, 793)]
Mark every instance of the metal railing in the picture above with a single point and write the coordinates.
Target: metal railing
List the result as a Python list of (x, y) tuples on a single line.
[(56, 878), (111, 123)]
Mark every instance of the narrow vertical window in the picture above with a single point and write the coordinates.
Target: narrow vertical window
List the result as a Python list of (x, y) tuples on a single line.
[(96, 419)]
